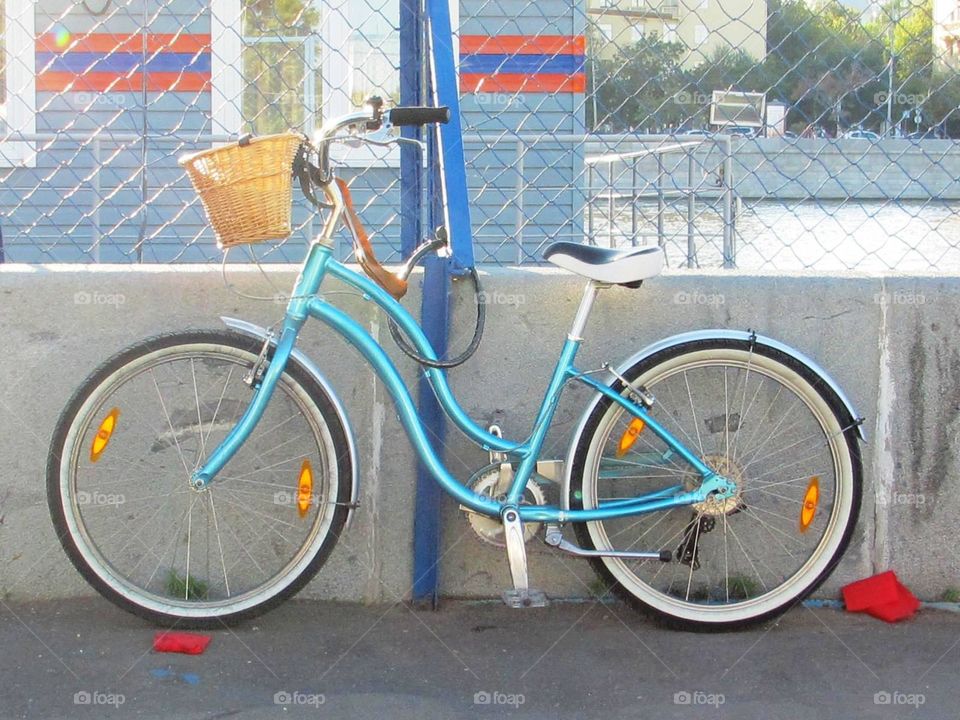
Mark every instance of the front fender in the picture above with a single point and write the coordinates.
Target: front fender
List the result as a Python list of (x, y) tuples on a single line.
[(707, 335), (256, 331)]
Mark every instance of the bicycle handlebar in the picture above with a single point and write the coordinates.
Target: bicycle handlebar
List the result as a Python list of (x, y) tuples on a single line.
[(373, 119), (401, 116)]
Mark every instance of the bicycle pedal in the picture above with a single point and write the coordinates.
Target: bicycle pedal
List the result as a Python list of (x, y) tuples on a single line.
[(525, 598)]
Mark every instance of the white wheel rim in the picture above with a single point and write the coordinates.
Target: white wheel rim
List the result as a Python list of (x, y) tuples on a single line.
[(815, 564), (193, 609)]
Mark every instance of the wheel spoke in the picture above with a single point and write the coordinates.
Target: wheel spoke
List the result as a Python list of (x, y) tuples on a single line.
[(173, 432), (216, 527), (170, 548), (739, 557), (196, 396), (693, 412), (696, 547)]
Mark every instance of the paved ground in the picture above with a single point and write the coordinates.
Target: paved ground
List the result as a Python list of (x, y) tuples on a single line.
[(322, 660)]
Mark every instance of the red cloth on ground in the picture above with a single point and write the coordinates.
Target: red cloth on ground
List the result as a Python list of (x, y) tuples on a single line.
[(181, 642), (882, 596)]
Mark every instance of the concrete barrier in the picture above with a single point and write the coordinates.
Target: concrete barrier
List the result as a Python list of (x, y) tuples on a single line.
[(890, 342), (806, 169)]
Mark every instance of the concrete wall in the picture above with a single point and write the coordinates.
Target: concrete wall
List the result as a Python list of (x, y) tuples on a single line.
[(888, 341), (775, 168), (847, 169)]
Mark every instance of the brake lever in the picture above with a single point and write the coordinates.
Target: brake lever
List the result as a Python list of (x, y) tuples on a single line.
[(382, 137), (412, 141)]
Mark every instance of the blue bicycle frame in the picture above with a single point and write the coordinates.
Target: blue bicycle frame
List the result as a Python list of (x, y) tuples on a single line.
[(305, 303)]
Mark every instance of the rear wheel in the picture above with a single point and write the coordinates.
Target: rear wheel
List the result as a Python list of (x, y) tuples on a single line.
[(757, 416), (119, 493)]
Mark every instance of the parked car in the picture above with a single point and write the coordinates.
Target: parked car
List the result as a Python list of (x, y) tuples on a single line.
[(696, 132), (740, 131), (860, 134)]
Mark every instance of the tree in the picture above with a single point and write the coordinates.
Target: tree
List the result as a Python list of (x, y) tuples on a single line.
[(905, 28), (638, 88), (828, 63), (825, 63), (297, 17)]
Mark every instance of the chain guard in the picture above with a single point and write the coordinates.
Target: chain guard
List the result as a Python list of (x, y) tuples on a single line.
[(495, 483)]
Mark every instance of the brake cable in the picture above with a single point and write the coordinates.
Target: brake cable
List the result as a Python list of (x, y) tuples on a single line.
[(306, 173)]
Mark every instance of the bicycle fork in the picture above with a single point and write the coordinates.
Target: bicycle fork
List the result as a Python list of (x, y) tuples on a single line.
[(263, 387), (264, 381)]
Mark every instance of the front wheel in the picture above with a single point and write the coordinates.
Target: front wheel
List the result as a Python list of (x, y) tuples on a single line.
[(119, 469), (756, 416)]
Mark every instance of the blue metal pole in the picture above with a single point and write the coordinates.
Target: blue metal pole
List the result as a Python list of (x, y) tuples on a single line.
[(411, 93), (427, 530), (434, 317), (449, 207), (453, 167)]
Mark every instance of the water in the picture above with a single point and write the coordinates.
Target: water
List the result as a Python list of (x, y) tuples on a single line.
[(822, 235)]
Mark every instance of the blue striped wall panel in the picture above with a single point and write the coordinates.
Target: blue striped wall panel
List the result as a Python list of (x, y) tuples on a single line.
[(491, 165), (58, 201)]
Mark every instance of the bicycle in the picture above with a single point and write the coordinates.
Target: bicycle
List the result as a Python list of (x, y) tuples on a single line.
[(713, 481)]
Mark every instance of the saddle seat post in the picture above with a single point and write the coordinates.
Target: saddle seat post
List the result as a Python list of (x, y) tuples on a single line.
[(522, 595), (590, 291)]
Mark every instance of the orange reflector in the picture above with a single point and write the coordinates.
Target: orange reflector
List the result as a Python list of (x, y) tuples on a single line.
[(810, 499), (102, 437), (630, 436), (304, 488)]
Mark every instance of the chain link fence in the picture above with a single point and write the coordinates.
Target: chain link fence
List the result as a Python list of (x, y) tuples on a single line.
[(757, 134)]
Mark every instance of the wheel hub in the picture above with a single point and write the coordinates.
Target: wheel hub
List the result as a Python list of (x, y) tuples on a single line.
[(715, 506)]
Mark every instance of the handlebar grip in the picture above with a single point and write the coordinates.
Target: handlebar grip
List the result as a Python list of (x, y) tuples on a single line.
[(419, 115)]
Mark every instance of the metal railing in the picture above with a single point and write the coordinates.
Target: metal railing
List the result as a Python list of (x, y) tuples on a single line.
[(834, 181), (664, 189)]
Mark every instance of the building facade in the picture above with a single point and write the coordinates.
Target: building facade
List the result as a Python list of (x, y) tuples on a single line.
[(97, 105), (702, 26), (946, 31)]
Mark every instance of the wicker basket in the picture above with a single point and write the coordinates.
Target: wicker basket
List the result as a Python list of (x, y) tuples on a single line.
[(246, 188)]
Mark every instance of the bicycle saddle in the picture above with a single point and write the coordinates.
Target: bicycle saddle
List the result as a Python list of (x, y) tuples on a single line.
[(618, 266)]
